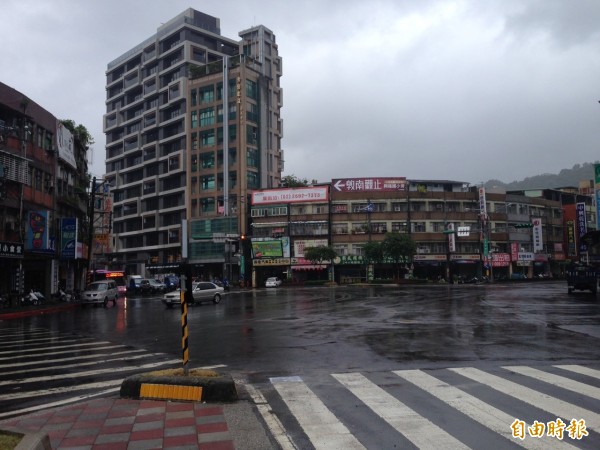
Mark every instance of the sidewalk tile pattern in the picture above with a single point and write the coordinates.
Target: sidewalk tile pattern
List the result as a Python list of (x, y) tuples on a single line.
[(112, 423)]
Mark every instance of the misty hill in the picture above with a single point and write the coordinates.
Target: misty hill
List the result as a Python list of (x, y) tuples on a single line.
[(566, 177)]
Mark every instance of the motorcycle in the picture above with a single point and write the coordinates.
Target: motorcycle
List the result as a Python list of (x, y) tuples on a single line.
[(62, 296), (31, 299)]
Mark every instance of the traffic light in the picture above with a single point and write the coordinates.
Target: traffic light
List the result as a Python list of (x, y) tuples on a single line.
[(523, 225)]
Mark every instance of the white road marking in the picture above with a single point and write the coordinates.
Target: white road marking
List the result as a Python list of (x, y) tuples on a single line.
[(26, 353), (321, 426), (557, 380), (562, 409), (71, 358), (88, 373), (274, 424), (488, 416), (416, 428), (19, 412), (581, 370)]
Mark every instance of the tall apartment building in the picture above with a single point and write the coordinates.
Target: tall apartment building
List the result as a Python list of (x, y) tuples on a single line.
[(166, 131)]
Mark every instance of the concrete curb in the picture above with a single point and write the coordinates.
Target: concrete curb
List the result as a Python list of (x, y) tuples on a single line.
[(180, 388), (30, 441)]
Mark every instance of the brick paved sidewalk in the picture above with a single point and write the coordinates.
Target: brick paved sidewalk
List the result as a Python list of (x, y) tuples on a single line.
[(114, 423)]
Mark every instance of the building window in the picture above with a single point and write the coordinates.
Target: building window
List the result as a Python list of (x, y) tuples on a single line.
[(341, 250), (173, 163), (194, 119), (252, 157), (194, 163), (207, 138), (194, 97), (251, 89), (207, 117), (207, 94), (419, 227), (399, 227), (339, 228), (252, 180), (194, 141), (207, 205), (252, 112), (207, 182), (358, 249), (339, 209), (207, 160)]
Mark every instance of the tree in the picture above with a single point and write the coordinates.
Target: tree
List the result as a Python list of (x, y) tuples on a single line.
[(317, 255), (400, 248), (373, 252), (79, 132), (293, 181)]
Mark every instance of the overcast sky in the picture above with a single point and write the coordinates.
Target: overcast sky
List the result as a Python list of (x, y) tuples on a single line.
[(462, 90)]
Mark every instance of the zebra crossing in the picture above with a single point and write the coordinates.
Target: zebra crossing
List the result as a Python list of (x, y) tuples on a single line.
[(553, 406), (41, 368)]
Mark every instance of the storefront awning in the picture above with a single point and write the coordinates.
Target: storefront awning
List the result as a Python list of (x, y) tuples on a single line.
[(310, 267)]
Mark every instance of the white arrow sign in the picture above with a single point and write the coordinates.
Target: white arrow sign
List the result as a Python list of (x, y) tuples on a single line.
[(338, 185)]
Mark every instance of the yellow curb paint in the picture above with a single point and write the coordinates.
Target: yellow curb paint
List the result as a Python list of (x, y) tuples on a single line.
[(170, 391)]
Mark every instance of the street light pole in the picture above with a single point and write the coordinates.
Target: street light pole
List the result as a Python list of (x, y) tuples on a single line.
[(91, 229)]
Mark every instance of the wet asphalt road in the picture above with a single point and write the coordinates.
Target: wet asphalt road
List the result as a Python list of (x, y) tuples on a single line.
[(322, 360), (287, 330)]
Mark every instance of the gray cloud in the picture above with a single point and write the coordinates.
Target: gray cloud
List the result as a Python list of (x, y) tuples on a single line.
[(465, 90)]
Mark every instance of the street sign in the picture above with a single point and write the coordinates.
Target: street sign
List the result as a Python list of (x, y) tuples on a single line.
[(463, 231)]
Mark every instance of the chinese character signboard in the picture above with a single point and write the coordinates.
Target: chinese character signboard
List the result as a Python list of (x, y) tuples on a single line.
[(301, 244), (369, 184), (538, 240), (292, 195), (581, 225), (571, 239), (68, 237), (451, 239), (482, 207), (11, 249)]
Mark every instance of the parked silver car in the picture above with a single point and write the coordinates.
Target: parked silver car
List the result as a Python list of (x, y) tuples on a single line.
[(100, 292), (202, 291)]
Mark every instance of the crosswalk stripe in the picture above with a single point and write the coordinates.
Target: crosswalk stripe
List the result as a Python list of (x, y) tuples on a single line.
[(417, 429), (62, 389), (19, 412), (488, 416), (88, 373), (539, 400), (30, 370), (70, 358), (557, 380), (321, 426), (62, 352), (581, 370)]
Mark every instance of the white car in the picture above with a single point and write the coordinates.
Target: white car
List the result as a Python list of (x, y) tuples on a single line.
[(202, 291), (273, 282)]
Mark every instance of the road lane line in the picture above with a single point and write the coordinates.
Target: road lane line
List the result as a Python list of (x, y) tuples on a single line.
[(321, 426), (562, 409), (496, 420), (416, 428), (557, 380), (62, 352)]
